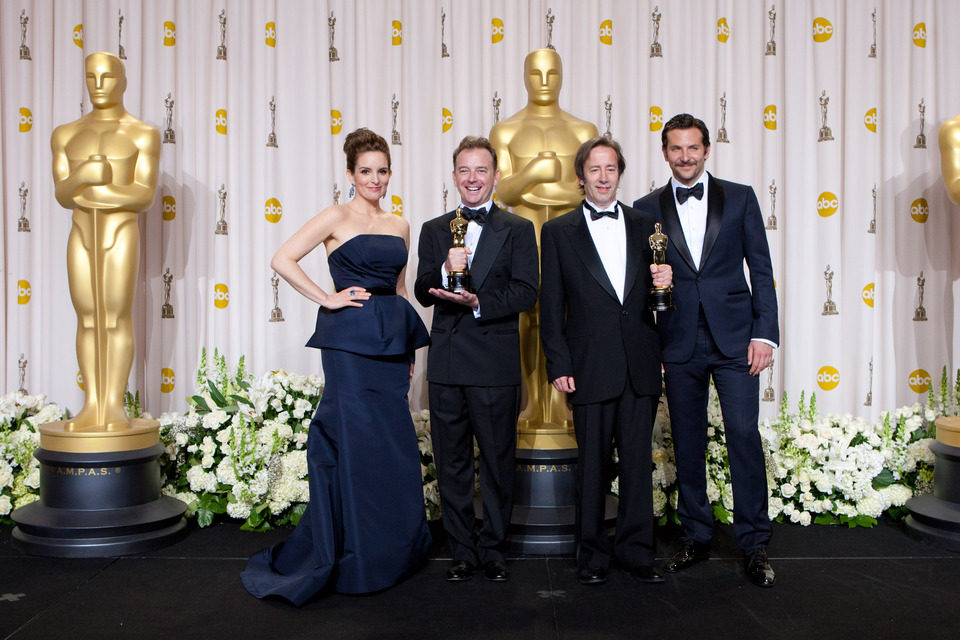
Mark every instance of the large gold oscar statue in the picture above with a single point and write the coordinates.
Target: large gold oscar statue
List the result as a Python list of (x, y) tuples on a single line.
[(536, 148), (935, 516), (105, 169), (100, 471)]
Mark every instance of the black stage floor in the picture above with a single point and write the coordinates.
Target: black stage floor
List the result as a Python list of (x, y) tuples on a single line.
[(831, 583)]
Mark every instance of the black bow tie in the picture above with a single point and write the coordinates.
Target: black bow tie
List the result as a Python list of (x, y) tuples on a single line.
[(476, 215), (596, 215), (696, 191)]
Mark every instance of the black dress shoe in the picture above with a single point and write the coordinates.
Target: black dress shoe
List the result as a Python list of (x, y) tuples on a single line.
[(592, 575), (647, 575), (459, 571), (758, 568), (496, 571), (690, 554)]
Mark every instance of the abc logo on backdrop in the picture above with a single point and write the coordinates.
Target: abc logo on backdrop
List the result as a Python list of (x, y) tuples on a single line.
[(723, 30), (167, 380), (606, 32), (273, 210), (920, 35), (169, 34), (336, 121), (828, 378), (396, 205), (397, 38), (79, 379), (656, 118), (221, 296), (822, 30), (78, 35), (26, 120), (827, 204), (446, 119), (169, 208), (920, 210), (870, 120), (270, 34), (220, 119), (496, 30), (770, 116), (23, 292), (919, 381), (867, 294)]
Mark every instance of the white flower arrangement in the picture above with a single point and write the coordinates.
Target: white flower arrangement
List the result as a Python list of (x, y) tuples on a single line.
[(20, 415), (240, 451)]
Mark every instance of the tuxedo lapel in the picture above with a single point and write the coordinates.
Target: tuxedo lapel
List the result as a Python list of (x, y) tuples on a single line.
[(714, 218), (635, 244), (672, 226), (491, 240), (582, 243)]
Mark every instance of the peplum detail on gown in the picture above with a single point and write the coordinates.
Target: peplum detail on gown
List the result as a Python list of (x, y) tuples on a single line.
[(385, 325)]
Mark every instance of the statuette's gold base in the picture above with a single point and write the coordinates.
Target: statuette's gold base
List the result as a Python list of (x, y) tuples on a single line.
[(58, 436)]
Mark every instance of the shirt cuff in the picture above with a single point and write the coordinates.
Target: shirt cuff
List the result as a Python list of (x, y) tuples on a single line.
[(443, 276), (764, 341)]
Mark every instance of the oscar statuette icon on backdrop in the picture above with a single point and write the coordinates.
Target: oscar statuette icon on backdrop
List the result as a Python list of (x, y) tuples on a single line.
[(935, 516), (99, 470)]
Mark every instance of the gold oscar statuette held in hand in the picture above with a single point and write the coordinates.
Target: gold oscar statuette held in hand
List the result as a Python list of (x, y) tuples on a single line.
[(458, 280), (661, 298)]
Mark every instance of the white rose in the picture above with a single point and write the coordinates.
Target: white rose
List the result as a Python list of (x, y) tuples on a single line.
[(805, 519), (787, 490)]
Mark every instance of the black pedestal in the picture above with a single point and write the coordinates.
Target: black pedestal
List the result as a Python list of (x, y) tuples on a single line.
[(545, 503), (96, 505), (936, 516)]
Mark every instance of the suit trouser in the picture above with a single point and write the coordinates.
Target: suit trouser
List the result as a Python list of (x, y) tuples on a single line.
[(458, 414), (739, 392), (626, 422)]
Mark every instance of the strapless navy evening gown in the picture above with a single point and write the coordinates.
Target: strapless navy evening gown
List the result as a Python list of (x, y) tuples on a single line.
[(365, 526)]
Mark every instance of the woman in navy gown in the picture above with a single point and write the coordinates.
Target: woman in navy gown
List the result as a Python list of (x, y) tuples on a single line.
[(365, 526)]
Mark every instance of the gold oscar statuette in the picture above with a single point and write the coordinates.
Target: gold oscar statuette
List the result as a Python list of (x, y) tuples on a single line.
[(105, 168), (661, 298), (536, 149), (458, 280)]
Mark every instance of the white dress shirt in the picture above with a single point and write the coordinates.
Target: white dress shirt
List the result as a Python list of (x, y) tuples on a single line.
[(693, 217), (610, 238)]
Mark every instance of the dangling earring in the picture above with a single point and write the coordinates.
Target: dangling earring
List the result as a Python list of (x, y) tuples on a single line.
[(352, 191)]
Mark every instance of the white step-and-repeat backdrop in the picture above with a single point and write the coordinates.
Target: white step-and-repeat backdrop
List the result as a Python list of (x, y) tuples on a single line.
[(828, 108)]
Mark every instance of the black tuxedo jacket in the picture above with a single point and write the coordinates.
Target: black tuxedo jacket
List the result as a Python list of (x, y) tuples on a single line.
[(587, 333), (482, 351), (734, 233)]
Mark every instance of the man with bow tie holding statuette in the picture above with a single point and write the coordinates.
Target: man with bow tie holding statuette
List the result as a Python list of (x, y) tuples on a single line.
[(478, 269), (721, 328), (602, 351)]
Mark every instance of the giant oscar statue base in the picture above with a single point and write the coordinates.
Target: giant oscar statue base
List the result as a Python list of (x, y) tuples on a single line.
[(936, 516), (99, 471), (536, 148)]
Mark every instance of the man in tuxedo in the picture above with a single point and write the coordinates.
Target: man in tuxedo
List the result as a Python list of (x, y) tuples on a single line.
[(473, 366), (721, 328), (602, 350)]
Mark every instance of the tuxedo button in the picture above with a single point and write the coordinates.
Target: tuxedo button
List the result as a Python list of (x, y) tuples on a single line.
[(624, 313)]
